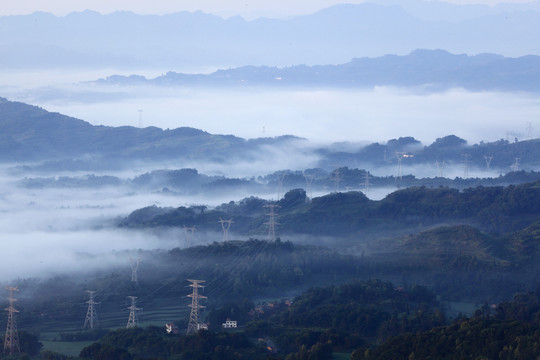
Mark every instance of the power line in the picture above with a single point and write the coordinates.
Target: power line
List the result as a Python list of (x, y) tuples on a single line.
[(91, 315), (11, 342), (132, 320), (194, 325)]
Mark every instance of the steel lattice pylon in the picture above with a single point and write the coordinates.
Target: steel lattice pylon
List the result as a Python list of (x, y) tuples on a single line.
[(91, 315), (193, 325), (11, 342), (225, 226), (132, 320), (134, 267), (272, 221), (189, 236)]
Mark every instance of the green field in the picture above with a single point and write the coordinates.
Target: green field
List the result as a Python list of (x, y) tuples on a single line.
[(160, 312)]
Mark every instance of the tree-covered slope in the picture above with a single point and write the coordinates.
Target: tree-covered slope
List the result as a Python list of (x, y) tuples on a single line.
[(29, 133), (495, 210)]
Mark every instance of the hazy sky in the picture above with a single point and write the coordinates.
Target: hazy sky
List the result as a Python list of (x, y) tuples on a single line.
[(246, 8)]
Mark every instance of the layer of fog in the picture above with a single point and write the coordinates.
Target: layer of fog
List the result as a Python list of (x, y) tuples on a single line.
[(50, 231), (320, 115)]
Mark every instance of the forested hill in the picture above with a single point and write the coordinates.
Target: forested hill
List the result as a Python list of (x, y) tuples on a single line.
[(468, 243), (491, 209), (31, 133)]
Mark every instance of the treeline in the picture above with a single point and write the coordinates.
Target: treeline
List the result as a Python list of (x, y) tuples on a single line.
[(475, 338), (154, 343), (190, 181), (491, 209)]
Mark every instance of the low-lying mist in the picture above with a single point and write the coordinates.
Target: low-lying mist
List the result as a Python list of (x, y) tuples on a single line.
[(51, 231), (47, 231), (54, 230), (320, 115)]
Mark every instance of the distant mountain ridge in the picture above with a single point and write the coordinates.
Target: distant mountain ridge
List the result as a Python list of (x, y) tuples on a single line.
[(330, 36), (430, 69)]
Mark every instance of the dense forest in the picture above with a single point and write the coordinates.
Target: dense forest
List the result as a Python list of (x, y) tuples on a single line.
[(494, 209)]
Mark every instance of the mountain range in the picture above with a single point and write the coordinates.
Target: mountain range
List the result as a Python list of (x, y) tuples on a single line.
[(426, 69), (330, 36)]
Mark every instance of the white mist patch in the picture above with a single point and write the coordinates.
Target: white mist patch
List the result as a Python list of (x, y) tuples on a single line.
[(320, 115), (44, 232), (40, 254)]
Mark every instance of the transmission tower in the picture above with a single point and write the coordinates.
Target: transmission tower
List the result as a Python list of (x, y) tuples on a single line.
[(440, 168), (132, 320), (309, 180), (515, 165), (488, 161), (91, 315), (189, 233), (399, 156), (336, 177), (529, 130), (281, 177), (366, 182), (272, 221), (194, 325), (466, 163), (134, 267), (11, 342), (225, 226)]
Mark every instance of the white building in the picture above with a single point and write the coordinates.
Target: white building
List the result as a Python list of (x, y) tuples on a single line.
[(229, 324)]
